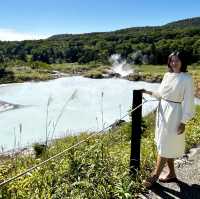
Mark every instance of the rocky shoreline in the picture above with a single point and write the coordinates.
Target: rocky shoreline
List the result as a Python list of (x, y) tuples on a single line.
[(106, 73), (140, 76)]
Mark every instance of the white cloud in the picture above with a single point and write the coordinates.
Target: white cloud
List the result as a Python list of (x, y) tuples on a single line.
[(13, 35)]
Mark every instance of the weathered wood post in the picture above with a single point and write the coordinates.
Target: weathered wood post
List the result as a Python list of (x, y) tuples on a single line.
[(136, 132)]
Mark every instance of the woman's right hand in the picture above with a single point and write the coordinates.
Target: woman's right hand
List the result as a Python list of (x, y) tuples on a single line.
[(145, 91)]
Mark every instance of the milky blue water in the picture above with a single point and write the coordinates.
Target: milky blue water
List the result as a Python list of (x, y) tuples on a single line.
[(27, 124)]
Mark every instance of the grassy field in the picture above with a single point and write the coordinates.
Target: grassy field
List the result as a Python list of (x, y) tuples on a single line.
[(161, 69), (98, 168), (74, 68), (150, 68), (38, 71)]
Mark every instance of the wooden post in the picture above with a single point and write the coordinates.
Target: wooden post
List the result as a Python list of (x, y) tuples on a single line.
[(136, 132)]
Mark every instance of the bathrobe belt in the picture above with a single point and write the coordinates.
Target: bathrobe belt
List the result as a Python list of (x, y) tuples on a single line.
[(160, 109), (170, 101)]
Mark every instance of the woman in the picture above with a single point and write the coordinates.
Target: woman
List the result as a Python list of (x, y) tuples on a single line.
[(176, 107)]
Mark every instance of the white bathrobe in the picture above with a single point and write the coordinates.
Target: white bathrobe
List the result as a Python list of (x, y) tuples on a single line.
[(179, 88)]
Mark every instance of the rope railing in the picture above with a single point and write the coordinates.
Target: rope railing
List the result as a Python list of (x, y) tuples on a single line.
[(73, 146)]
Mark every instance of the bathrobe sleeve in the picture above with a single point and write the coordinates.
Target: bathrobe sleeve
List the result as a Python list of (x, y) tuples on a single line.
[(157, 93), (188, 107)]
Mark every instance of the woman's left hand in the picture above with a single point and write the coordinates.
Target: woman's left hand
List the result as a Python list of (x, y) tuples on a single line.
[(181, 128)]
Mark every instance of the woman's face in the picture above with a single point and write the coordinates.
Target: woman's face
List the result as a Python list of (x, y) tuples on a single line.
[(175, 64)]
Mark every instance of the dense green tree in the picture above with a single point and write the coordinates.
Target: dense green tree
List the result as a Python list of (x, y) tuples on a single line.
[(149, 45)]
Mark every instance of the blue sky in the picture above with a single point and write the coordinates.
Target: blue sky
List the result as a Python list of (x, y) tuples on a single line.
[(42, 18)]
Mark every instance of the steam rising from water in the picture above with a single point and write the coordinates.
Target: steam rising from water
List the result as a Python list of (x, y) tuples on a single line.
[(120, 66)]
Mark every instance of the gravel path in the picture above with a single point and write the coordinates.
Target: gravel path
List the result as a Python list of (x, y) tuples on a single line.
[(188, 187)]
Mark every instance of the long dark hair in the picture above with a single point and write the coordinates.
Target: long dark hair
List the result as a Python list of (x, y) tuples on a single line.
[(182, 58)]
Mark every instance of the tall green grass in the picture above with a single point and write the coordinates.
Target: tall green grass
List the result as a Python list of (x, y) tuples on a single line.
[(98, 168)]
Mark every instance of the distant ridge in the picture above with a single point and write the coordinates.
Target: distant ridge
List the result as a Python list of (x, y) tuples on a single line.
[(190, 22), (183, 23)]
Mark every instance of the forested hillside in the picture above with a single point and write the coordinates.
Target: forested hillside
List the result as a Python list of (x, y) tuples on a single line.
[(147, 45)]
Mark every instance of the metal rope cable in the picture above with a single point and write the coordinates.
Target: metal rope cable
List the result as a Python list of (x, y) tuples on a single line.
[(75, 145)]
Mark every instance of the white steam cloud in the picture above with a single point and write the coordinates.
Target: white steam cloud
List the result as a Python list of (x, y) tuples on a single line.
[(120, 65)]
